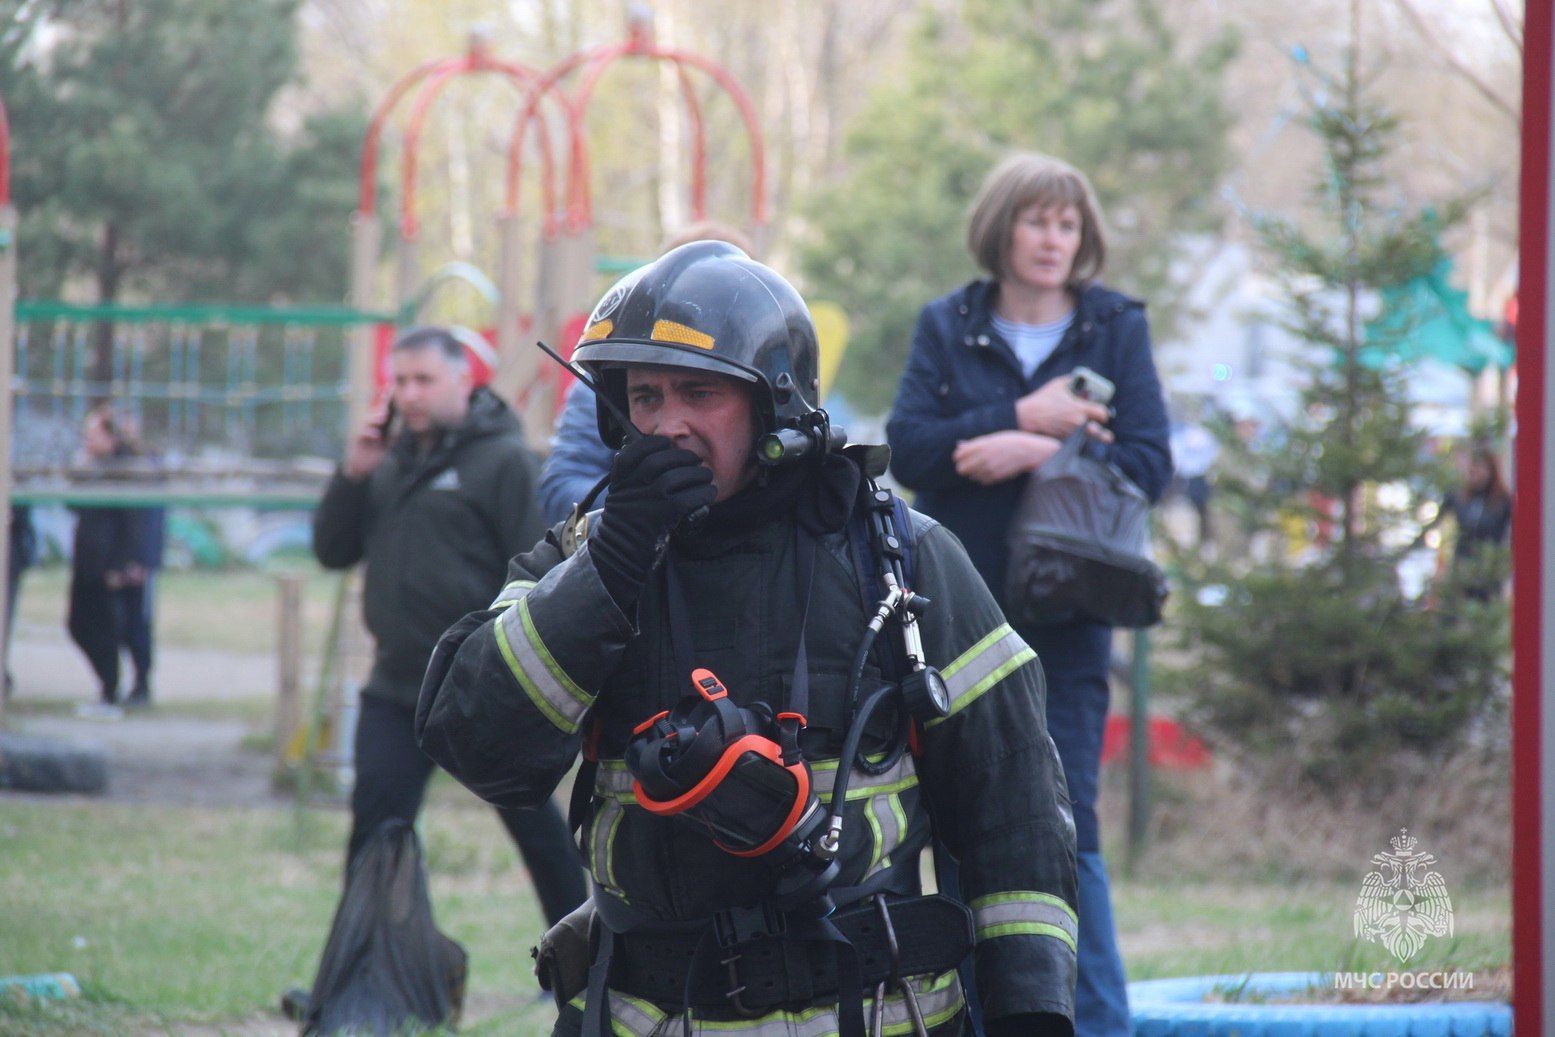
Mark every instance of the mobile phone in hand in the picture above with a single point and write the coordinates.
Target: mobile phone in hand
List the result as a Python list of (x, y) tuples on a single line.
[(388, 420), (1085, 383)]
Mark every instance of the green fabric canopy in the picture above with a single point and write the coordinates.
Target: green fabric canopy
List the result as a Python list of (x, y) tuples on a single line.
[(1428, 318)]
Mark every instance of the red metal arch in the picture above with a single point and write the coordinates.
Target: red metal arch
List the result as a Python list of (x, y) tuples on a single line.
[(596, 61), (476, 59), (521, 76)]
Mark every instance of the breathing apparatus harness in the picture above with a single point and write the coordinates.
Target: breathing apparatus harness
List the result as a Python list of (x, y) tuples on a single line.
[(739, 774)]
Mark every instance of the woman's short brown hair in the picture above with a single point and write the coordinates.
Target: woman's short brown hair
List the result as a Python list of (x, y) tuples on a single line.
[(1020, 181)]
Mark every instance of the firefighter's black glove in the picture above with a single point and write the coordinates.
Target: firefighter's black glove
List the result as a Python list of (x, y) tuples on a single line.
[(654, 485)]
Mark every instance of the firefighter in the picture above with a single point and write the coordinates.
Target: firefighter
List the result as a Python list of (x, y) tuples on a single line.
[(784, 685)]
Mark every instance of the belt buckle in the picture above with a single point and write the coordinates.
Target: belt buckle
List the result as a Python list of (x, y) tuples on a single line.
[(735, 927), (736, 988)]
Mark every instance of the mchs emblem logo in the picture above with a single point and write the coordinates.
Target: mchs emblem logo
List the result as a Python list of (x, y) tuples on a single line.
[(1403, 903)]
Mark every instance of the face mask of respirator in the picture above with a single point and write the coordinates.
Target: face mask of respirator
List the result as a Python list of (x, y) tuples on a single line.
[(736, 773)]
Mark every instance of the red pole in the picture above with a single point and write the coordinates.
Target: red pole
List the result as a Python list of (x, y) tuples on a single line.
[(1533, 546), (698, 145), (5, 158)]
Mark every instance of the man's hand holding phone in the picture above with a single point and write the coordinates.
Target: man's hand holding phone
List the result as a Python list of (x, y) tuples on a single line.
[(370, 445)]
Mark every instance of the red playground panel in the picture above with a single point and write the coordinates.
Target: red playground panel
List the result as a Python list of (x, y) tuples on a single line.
[(1171, 747)]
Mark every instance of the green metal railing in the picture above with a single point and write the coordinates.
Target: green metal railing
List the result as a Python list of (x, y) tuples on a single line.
[(232, 380)]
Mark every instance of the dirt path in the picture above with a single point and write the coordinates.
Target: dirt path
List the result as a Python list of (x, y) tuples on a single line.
[(170, 754), (168, 760), (48, 667)]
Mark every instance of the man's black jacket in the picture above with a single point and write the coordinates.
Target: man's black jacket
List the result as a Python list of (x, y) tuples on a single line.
[(436, 530)]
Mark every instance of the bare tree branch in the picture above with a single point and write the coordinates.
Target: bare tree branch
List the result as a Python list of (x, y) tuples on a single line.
[(1451, 61), (1509, 23)]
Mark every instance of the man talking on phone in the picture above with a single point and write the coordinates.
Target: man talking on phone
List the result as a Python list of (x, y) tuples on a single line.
[(435, 494)]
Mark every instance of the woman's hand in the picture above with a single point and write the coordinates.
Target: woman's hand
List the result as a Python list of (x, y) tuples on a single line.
[(1055, 411), (1000, 456)]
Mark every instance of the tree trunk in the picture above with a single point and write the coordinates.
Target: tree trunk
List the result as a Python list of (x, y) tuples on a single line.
[(109, 271)]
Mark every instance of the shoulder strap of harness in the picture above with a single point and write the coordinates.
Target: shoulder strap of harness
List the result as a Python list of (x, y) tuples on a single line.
[(880, 536)]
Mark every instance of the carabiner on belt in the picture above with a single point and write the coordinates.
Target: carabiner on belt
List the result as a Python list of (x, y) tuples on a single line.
[(897, 979)]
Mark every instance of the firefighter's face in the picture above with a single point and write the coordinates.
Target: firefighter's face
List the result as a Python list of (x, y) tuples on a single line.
[(708, 414), (431, 391)]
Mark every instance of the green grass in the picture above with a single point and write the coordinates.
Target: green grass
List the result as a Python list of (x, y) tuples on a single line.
[(202, 916), (1237, 926), (173, 918)]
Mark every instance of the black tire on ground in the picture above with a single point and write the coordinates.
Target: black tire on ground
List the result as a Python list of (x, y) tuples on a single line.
[(29, 764)]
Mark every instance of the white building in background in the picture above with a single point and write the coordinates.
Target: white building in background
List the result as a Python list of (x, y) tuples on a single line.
[(1229, 350), (1231, 353)]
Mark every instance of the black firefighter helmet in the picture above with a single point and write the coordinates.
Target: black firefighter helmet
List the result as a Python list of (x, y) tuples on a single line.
[(706, 305)]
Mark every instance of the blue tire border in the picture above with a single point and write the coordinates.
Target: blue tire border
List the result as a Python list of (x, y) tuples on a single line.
[(1176, 1008)]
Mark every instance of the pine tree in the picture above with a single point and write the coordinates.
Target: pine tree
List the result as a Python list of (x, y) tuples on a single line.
[(147, 158), (1317, 652)]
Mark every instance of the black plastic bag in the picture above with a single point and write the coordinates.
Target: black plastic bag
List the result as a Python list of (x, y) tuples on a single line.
[(386, 969), (1078, 546)]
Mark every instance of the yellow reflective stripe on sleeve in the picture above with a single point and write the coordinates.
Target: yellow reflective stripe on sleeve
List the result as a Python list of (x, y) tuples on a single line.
[(546, 684), (1000, 653), (511, 593), (1024, 913)]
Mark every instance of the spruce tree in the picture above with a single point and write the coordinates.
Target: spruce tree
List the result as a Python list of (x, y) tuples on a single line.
[(1307, 644)]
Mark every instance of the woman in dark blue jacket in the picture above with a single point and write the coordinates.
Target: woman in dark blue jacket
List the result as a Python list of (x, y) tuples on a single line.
[(984, 401)]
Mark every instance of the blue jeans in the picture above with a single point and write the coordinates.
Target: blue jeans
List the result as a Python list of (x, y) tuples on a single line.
[(1101, 993), (1074, 660)]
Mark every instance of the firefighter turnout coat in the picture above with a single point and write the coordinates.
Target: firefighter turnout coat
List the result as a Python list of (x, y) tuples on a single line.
[(513, 691)]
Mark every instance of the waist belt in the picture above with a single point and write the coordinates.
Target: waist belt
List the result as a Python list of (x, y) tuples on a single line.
[(933, 934)]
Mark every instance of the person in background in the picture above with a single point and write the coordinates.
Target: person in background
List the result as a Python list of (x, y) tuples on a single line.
[(1482, 511), (108, 573), (140, 623), (434, 500), (1194, 452), (579, 459), (985, 400)]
